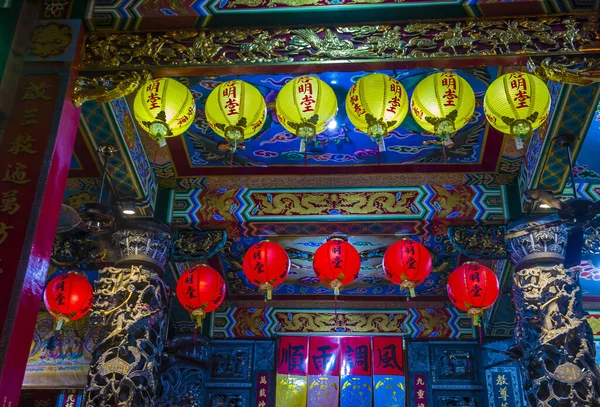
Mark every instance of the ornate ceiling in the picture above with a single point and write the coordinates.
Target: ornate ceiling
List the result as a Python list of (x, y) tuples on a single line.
[(266, 189)]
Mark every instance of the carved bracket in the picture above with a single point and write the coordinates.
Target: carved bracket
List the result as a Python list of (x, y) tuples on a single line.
[(78, 249), (191, 348), (479, 242), (196, 246), (569, 70)]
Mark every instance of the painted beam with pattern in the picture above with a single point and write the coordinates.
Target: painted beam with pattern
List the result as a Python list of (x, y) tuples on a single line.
[(237, 323), (258, 212)]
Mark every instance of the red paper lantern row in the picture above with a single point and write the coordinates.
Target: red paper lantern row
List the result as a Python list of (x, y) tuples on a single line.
[(336, 263), (68, 297), (473, 288), (266, 265), (200, 290), (407, 263)]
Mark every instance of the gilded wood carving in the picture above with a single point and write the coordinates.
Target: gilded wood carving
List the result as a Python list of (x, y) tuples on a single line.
[(475, 38)]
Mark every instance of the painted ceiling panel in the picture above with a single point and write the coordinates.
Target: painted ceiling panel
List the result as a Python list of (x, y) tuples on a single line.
[(341, 144)]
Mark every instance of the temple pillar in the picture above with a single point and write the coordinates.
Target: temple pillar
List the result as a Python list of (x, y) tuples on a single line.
[(130, 305), (554, 342), (36, 148)]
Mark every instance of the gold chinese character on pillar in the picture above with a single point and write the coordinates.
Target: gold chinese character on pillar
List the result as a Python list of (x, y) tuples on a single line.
[(9, 203), (23, 143), (36, 91), (4, 228), (16, 175)]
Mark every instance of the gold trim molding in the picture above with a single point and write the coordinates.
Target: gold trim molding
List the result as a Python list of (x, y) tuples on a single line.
[(532, 36)]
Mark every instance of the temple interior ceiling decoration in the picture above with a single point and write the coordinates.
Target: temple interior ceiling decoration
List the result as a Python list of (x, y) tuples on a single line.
[(265, 189), (456, 200)]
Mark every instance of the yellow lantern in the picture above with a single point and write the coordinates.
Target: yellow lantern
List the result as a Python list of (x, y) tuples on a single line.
[(305, 105), (236, 111), (164, 108), (377, 104), (517, 103), (442, 104)]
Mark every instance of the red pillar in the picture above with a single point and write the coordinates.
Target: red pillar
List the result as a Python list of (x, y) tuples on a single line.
[(35, 153)]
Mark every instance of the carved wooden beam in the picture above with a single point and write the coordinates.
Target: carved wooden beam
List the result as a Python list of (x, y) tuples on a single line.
[(246, 50)]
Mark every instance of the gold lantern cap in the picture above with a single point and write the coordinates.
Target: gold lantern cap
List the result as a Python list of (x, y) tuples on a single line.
[(158, 128), (521, 128)]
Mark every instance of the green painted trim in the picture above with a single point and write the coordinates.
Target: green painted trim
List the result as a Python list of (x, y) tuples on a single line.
[(79, 10), (511, 197), (163, 210), (9, 17)]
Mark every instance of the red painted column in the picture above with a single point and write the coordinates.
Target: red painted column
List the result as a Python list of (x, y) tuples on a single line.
[(35, 153)]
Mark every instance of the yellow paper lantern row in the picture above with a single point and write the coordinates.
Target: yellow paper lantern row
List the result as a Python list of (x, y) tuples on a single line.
[(164, 108), (377, 104), (517, 103), (236, 111), (304, 106), (442, 104)]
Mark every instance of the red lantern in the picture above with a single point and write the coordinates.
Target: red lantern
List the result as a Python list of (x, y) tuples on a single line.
[(473, 288), (407, 263), (266, 265), (201, 290), (68, 297), (336, 263)]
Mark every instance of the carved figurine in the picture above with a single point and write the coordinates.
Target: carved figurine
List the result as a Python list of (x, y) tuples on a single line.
[(107, 88)]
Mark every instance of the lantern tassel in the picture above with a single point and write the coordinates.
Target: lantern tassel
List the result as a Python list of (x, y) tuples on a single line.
[(480, 335), (519, 141), (269, 293), (476, 319), (381, 144), (336, 284), (198, 314), (60, 321), (335, 305), (302, 145), (407, 284), (378, 154), (233, 148)]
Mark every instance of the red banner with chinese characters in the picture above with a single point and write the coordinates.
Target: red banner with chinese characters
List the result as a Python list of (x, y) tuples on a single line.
[(324, 356), (292, 371), (324, 371), (357, 368), (293, 355), (262, 389), (387, 356), (356, 356)]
